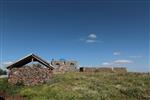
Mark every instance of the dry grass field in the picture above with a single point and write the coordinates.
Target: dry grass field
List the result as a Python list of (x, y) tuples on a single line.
[(83, 86)]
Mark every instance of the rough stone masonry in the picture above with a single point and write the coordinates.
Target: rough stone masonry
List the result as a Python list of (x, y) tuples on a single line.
[(29, 76)]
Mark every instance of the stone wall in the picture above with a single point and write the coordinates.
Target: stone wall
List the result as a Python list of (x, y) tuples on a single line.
[(29, 76), (104, 69), (89, 69), (93, 69), (119, 69), (63, 69), (57, 63), (63, 63), (64, 66)]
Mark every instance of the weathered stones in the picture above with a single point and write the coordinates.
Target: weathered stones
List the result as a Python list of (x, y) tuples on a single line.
[(29, 75)]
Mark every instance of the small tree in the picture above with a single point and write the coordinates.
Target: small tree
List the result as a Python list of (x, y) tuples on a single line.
[(2, 72)]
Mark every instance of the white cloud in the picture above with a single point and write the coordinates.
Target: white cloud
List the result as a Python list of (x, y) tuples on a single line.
[(106, 63), (7, 63), (116, 53), (116, 62), (135, 56), (122, 61), (92, 36), (90, 41)]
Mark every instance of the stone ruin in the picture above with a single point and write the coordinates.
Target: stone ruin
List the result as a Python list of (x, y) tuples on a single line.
[(64, 66), (29, 75), (34, 75)]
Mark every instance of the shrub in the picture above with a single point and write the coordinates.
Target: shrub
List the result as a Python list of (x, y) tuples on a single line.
[(3, 72)]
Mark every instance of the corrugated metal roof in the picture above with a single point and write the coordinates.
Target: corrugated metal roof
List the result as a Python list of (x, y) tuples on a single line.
[(27, 59)]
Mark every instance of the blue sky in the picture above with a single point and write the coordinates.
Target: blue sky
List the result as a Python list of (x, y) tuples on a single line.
[(93, 32)]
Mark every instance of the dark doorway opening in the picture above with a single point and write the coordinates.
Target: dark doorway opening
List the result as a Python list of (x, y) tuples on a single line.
[(81, 69), (72, 64), (57, 64)]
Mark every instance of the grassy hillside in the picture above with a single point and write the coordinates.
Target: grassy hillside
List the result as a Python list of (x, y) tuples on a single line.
[(83, 86)]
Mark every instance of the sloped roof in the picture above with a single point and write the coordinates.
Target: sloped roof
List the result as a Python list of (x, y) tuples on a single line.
[(27, 59)]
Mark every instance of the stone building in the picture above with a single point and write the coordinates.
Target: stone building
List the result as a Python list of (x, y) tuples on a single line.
[(62, 66), (29, 75)]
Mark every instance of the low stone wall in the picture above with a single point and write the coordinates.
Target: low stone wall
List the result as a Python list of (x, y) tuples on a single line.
[(119, 69), (29, 76), (88, 69), (63, 69), (104, 69)]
